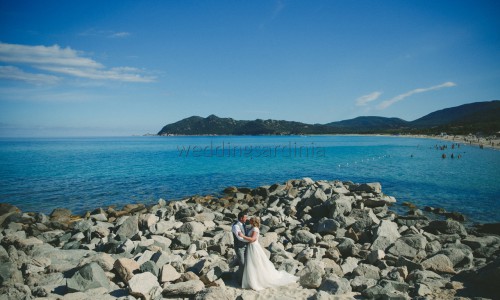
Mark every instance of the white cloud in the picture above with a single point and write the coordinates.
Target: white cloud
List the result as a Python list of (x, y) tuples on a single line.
[(119, 34), (385, 104), (14, 73), (67, 61), (42, 55), (363, 100), (93, 32), (96, 74)]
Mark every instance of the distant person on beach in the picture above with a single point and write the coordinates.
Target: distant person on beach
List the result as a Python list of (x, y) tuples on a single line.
[(260, 272), (240, 244)]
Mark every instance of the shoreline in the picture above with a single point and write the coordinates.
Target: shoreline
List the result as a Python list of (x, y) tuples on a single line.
[(340, 239)]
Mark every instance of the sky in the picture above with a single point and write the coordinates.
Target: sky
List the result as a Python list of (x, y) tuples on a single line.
[(119, 68)]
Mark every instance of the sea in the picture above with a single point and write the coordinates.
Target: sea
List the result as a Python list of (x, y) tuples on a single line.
[(41, 174)]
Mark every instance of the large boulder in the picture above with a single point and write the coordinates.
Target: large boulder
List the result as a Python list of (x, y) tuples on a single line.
[(312, 275), (374, 187), (367, 271), (327, 226), (304, 237), (88, 277), (125, 268), (9, 274), (335, 285), (385, 235), (342, 205), (129, 227), (194, 229), (410, 246), (446, 227), (439, 263), (188, 288), (145, 286), (6, 211), (169, 274)]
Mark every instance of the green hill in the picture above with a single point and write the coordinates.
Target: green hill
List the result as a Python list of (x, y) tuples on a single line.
[(479, 117)]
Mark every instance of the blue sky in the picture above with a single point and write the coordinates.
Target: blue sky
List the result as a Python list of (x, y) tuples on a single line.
[(73, 68)]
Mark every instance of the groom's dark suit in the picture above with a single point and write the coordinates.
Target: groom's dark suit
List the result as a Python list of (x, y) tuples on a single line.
[(240, 247)]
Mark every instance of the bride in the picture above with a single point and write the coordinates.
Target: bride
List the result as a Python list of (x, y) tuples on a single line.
[(259, 271)]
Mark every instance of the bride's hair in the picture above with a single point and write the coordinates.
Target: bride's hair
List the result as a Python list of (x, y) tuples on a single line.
[(256, 222)]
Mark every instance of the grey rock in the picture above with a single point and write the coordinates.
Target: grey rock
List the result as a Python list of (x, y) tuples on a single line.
[(422, 290), (360, 283), (145, 286), (185, 213), (60, 213), (129, 227), (374, 187), (194, 229), (377, 202), (161, 241), (61, 260), (181, 241), (304, 237), (439, 263), (169, 273), (150, 267), (216, 293), (349, 265), (125, 268), (9, 274), (327, 226), (163, 227), (385, 235), (88, 277), (7, 211), (340, 206), (187, 288), (367, 271), (16, 291), (446, 227), (312, 275), (347, 247), (410, 265), (335, 285), (476, 242), (375, 255), (418, 276), (411, 246), (461, 258)]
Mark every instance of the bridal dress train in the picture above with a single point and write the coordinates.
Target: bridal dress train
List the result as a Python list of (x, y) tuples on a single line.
[(259, 271)]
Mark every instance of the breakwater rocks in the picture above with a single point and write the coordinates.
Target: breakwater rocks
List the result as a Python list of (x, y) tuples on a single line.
[(340, 238)]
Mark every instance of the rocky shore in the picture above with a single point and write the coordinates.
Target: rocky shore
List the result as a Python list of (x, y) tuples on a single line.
[(340, 238)]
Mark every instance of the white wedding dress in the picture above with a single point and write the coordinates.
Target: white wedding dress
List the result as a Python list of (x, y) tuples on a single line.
[(259, 271)]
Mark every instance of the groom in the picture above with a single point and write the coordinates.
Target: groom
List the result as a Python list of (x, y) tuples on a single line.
[(240, 245)]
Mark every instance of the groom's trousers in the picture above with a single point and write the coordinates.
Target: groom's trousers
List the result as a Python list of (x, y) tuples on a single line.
[(240, 255)]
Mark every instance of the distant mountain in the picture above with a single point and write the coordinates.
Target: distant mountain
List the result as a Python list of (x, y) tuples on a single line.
[(369, 125), (228, 126), (479, 117), (472, 117)]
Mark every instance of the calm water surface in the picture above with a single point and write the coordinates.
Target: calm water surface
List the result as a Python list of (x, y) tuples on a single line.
[(85, 173)]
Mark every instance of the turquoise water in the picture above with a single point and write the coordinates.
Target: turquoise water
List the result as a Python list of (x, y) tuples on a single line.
[(85, 173)]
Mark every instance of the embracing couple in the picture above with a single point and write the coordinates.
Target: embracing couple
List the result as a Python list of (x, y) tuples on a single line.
[(255, 270)]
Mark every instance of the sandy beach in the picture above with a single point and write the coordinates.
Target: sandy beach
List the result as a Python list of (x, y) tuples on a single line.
[(471, 140)]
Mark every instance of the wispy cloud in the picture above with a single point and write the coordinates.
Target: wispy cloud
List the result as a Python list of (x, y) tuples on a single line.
[(385, 104), (93, 32), (65, 61), (363, 100), (14, 73), (119, 34), (43, 55)]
